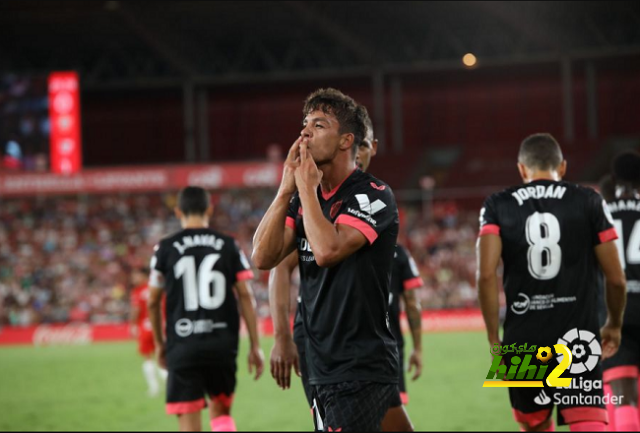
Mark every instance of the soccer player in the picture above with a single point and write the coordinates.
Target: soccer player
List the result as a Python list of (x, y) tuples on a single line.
[(344, 223), (201, 271), (621, 371), (404, 278), (551, 236), (140, 327)]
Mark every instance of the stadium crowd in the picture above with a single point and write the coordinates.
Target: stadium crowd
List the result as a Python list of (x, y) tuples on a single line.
[(65, 259)]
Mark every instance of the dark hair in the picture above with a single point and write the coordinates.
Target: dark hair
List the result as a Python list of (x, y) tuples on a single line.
[(607, 188), (626, 168), (193, 200), (368, 124), (351, 116), (541, 152)]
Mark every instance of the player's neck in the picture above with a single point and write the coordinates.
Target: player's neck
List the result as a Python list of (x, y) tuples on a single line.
[(334, 173), (543, 175), (195, 222)]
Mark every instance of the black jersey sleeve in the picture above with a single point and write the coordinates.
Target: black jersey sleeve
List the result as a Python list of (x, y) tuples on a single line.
[(409, 273), (242, 267), (370, 212), (292, 212), (602, 226), (489, 223), (157, 267)]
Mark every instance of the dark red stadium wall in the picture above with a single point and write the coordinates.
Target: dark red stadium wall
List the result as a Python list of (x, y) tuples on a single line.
[(482, 109)]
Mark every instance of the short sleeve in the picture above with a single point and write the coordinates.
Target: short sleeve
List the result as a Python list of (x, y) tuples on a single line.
[(242, 267), (157, 271), (370, 212), (410, 274), (293, 211), (489, 224), (602, 225)]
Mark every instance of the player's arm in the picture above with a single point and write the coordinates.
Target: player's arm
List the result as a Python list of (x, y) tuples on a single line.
[(248, 311), (155, 317), (414, 315), (488, 252), (274, 239), (616, 296), (284, 354)]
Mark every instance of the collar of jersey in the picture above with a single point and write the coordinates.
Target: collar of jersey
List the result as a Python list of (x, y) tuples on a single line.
[(328, 195)]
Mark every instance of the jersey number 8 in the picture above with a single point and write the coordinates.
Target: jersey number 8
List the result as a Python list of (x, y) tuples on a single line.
[(544, 255), (198, 286)]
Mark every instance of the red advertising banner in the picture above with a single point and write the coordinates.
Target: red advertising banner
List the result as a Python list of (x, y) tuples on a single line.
[(144, 179), (83, 333), (64, 116)]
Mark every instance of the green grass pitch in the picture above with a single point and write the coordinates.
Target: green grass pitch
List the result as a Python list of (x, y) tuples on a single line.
[(101, 387)]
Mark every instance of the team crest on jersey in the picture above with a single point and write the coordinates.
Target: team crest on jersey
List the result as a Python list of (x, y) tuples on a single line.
[(378, 187), (334, 209)]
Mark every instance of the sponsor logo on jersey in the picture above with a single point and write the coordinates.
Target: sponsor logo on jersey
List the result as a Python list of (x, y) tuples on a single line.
[(521, 306), (378, 187), (185, 327)]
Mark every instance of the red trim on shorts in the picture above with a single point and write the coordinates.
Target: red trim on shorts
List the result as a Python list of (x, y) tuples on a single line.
[(328, 195), (186, 407), (608, 235), (404, 398), (490, 229), (290, 222), (532, 419), (247, 274), (582, 414), (413, 283), (621, 372), (357, 224), (223, 399)]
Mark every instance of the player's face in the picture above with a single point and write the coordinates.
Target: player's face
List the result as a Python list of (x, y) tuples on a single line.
[(324, 138), (366, 151)]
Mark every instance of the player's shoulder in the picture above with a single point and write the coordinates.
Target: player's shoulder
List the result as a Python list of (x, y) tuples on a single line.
[(366, 183)]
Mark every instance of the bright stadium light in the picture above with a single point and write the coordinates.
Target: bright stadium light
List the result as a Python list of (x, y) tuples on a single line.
[(469, 60)]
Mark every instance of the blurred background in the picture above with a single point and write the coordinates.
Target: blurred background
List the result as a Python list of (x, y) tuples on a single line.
[(108, 108)]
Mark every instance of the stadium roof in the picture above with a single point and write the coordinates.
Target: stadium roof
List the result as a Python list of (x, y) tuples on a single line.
[(144, 43)]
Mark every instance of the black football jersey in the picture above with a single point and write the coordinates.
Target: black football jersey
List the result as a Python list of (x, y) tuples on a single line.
[(626, 218), (200, 268), (344, 308), (549, 230), (404, 276)]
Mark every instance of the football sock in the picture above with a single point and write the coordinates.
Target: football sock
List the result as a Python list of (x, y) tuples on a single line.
[(627, 418), (223, 423), (611, 409), (588, 426), (149, 370)]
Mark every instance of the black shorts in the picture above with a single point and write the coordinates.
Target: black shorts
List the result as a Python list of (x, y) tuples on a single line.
[(304, 372), (582, 402), (624, 364), (352, 406), (187, 387)]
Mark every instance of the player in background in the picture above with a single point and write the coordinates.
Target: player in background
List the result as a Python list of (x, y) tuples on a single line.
[(201, 271), (140, 328), (551, 236), (404, 278), (344, 223), (621, 371)]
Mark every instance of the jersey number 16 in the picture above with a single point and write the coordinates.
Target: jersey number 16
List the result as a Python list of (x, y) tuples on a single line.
[(206, 288)]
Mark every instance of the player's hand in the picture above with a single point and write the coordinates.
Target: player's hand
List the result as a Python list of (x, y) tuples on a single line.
[(288, 183), (284, 355), (307, 175), (161, 355), (415, 363), (256, 361), (611, 336)]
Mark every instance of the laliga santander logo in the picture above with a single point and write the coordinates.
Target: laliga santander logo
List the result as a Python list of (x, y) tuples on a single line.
[(526, 373)]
